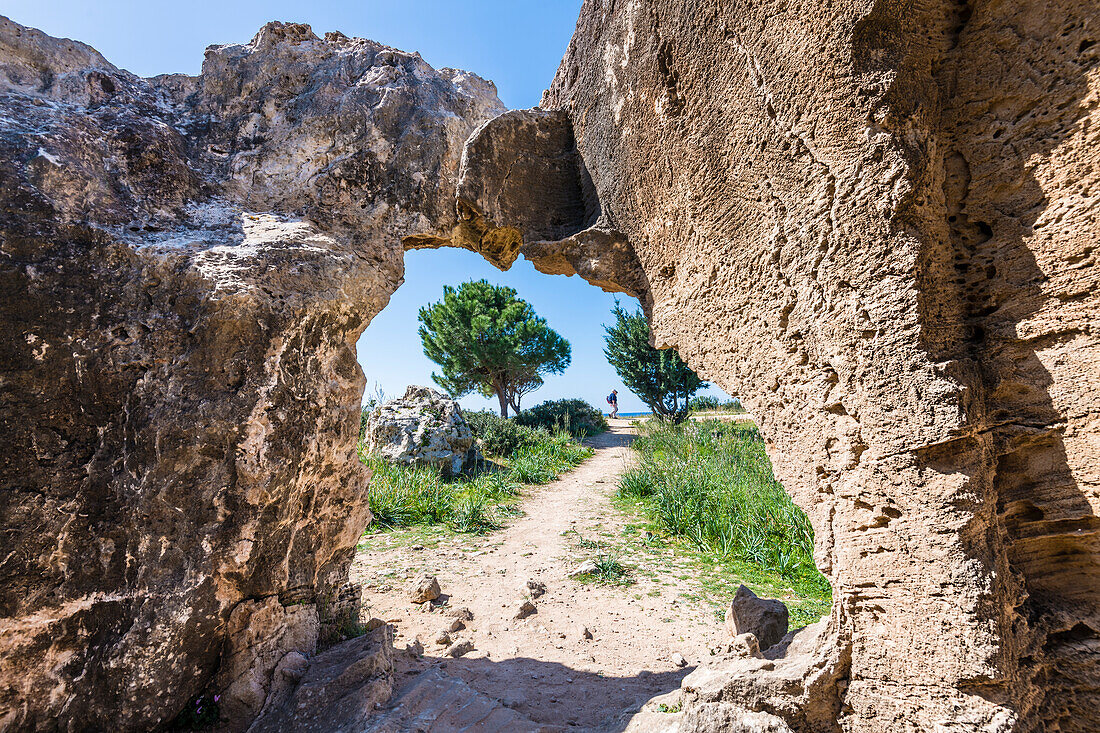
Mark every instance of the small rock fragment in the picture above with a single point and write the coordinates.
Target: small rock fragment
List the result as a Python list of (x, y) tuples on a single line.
[(586, 633), (679, 660), (426, 588), (745, 645), (588, 567), (457, 625), (461, 612), (459, 648), (526, 608), (443, 638), (415, 648), (764, 617), (535, 588)]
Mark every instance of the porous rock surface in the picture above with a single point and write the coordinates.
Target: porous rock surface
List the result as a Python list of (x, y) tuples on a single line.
[(876, 222), (186, 265), (423, 428)]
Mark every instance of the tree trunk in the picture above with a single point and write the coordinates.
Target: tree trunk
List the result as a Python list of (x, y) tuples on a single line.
[(503, 402)]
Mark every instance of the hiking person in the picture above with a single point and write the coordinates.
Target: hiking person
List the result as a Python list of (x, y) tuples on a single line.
[(613, 400)]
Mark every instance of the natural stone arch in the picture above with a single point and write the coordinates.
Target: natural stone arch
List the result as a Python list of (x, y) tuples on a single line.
[(852, 215)]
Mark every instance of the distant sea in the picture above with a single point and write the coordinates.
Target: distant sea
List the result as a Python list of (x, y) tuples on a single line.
[(635, 414)]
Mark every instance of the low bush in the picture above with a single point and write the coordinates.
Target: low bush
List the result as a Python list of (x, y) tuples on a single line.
[(576, 417), (712, 483), (707, 403), (703, 402), (502, 437)]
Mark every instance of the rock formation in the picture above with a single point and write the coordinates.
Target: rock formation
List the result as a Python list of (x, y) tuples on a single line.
[(875, 221), (187, 264), (426, 428)]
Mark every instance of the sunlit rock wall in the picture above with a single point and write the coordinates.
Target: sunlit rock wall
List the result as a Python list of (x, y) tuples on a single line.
[(876, 222)]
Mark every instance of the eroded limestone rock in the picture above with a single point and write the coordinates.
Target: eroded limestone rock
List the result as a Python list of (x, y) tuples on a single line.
[(339, 690), (875, 221), (425, 428), (187, 264)]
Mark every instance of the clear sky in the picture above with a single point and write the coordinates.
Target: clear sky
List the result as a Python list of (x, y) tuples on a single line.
[(516, 43)]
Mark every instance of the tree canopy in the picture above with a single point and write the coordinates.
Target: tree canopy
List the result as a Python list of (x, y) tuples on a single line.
[(658, 376), (488, 340)]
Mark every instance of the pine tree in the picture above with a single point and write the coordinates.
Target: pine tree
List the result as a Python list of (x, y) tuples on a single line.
[(488, 340), (658, 376)]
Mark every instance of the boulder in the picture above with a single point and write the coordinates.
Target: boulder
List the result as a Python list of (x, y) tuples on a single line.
[(339, 689), (423, 428), (765, 618)]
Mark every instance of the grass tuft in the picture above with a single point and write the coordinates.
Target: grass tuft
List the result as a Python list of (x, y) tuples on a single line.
[(712, 484)]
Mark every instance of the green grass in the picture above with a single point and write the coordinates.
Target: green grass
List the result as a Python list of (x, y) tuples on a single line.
[(404, 496), (711, 484)]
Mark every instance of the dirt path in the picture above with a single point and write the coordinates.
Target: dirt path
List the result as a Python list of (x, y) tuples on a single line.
[(543, 666)]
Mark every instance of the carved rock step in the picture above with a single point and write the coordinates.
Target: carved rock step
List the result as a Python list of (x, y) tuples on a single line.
[(436, 702)]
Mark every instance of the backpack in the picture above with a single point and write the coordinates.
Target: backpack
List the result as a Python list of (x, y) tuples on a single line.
[(611, 399)]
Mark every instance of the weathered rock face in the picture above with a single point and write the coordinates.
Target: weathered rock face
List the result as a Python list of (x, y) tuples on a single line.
[(186, 265), (876, 222), (424, 428)]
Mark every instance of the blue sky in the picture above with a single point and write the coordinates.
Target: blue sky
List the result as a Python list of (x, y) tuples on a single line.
[(516, 43)]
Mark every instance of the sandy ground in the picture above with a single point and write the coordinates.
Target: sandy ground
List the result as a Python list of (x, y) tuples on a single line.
[(543, 666)]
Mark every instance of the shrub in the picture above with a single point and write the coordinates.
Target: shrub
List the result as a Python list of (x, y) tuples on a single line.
[(500, 436), (576, 417), (402, 495), (608, 569), (703, 402), (471, 513), (707, 403)]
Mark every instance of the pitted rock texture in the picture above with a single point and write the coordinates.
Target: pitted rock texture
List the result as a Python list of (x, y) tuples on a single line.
[(186, 265), (875, 221), (423, 428), (525, 190)]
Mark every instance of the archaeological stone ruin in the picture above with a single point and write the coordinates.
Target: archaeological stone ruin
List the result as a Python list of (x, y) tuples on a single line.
[(876, 221)]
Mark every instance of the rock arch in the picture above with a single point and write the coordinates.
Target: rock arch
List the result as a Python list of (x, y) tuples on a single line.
[(874, 221)]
